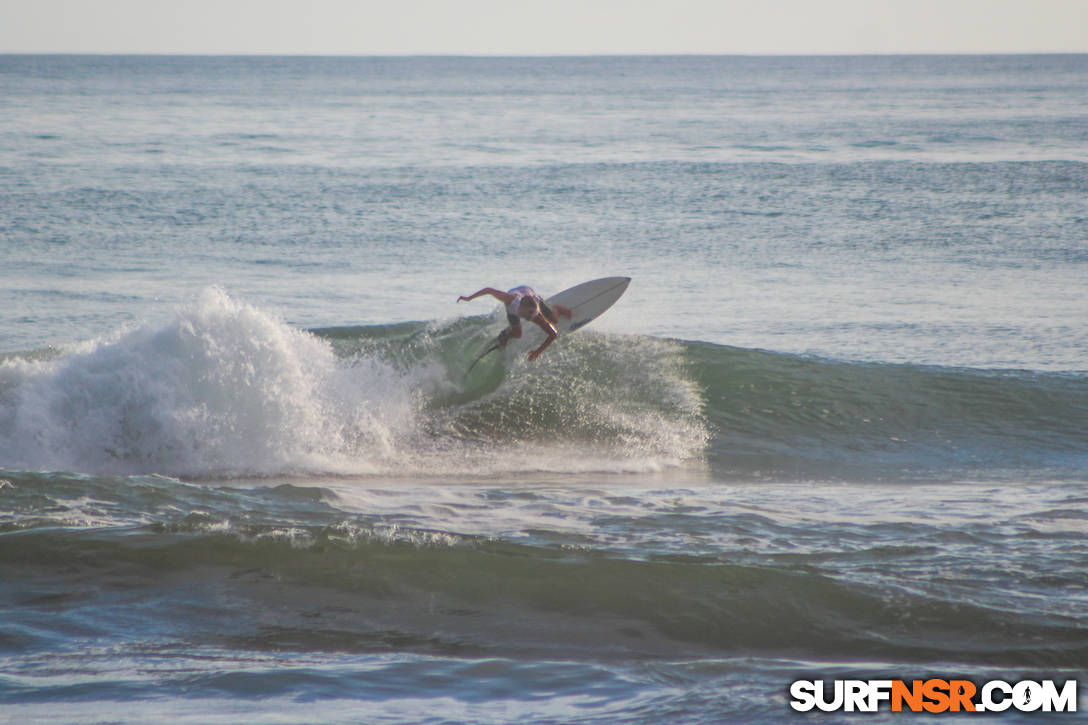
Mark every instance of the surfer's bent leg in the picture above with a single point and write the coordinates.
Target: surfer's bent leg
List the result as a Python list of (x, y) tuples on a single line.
[(512, 332)]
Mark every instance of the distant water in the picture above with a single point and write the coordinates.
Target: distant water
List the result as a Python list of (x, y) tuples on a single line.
[(836, 428)]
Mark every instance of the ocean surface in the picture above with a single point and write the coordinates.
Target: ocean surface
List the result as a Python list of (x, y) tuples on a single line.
[(837, 428)]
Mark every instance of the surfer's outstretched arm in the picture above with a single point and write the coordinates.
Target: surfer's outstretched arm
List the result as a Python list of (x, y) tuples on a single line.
[(503, 297)]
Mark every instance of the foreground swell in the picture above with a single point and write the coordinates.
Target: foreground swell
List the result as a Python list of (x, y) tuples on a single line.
[(554, 571)]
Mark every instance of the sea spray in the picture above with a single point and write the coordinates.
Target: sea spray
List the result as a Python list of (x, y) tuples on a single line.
[(223, 388)]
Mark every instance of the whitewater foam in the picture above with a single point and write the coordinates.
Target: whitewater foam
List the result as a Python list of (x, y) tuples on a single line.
[(223, 388)]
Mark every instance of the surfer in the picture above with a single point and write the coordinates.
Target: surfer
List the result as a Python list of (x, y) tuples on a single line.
[(522, 303)]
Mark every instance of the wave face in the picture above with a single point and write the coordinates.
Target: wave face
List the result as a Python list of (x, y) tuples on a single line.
[(785, 413), (224, 389)]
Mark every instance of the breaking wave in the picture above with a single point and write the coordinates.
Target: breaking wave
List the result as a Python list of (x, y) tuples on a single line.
[(224, 389)]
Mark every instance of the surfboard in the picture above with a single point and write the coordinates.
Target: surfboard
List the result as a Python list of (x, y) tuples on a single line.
[(586, 302)]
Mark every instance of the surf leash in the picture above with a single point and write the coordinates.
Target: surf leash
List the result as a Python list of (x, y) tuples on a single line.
[(484, 354)]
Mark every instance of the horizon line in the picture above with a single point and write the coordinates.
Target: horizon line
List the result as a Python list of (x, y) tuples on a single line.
[(602, 54)]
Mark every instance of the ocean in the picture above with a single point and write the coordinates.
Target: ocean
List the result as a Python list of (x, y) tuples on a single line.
[(836, 429)]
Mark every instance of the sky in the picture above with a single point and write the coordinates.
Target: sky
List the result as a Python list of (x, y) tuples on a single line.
[(542, 27)]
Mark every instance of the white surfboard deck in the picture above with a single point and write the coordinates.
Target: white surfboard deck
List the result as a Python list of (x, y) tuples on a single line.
[(587, 301)]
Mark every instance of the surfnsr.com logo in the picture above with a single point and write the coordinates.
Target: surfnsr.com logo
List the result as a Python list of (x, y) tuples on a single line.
[(933, 695)]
